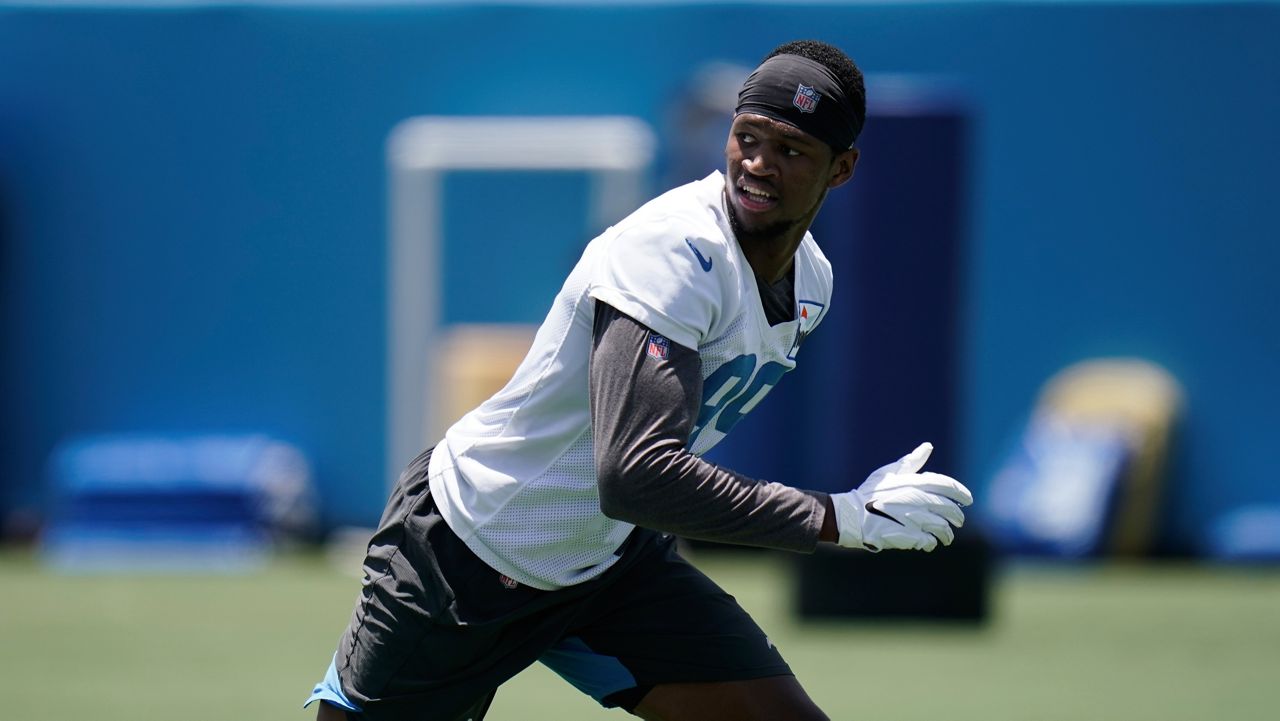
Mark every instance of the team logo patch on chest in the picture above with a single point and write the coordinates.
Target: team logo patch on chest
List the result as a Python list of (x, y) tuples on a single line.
[(807, 313), (658, 347)]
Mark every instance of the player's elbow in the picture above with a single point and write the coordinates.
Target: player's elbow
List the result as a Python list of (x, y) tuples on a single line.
[(612, 507), (631, 484), (615, 498)]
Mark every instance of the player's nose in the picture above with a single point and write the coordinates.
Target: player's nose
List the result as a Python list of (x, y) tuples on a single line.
[(759, 162)]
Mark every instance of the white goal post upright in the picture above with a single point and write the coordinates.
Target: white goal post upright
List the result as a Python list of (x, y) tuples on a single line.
[(616, 152)]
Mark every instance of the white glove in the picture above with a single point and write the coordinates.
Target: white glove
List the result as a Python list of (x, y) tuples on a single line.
[(899, 507)]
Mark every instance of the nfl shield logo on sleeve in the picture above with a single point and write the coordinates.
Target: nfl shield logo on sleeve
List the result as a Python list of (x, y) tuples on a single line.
[(806, 98)]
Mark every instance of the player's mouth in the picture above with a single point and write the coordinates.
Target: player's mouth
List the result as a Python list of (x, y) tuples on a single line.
[(754, 198)]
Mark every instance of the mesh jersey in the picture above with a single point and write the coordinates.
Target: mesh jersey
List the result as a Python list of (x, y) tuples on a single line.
[(515, 478)]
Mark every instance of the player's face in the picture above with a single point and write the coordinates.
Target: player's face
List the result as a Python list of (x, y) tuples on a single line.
[(778, 175)]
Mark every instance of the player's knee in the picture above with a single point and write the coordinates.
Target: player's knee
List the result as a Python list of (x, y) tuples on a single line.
[(793, 704), (766, 699), (328, 712), (806, 711)]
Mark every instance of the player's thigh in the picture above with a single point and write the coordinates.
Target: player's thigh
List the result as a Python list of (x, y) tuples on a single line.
[(765, 699), (662, 622)]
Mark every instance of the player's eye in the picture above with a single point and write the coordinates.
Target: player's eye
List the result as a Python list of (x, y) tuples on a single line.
[(746, 138), (791, 152)]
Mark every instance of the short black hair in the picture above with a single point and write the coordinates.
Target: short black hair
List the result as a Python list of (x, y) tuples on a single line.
[(838, 63)]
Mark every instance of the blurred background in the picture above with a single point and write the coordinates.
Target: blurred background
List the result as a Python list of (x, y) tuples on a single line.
[(255, 255)]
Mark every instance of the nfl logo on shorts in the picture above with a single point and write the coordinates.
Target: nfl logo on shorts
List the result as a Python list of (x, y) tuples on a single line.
[(806, 98), (658, 346)]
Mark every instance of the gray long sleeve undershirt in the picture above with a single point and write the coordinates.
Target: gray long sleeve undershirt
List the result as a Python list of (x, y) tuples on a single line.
[(642, 412)]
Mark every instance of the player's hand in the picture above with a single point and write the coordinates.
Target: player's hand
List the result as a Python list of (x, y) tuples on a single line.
[(900, 507)]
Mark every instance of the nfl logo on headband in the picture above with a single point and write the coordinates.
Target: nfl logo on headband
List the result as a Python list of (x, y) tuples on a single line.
[(806, 98)]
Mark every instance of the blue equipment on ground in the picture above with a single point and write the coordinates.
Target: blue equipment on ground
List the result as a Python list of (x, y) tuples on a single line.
[(174, 503)]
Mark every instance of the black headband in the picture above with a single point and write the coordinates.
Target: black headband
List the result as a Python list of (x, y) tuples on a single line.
[(803, 93)]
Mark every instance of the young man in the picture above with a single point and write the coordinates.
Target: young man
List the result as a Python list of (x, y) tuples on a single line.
[(541, 527)]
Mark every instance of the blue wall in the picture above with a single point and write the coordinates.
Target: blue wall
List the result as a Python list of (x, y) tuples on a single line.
[(192, 203)]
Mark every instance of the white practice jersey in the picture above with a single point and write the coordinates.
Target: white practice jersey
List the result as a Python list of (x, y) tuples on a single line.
[(515, 478)]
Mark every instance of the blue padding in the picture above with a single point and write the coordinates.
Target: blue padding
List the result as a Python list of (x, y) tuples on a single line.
[(594, 674), (1251, 533), (330, 690)]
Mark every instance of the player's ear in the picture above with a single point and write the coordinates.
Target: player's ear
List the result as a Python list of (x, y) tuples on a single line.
[(842, 166)]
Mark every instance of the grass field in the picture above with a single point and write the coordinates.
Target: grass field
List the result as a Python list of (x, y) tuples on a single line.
[(1128, 643)]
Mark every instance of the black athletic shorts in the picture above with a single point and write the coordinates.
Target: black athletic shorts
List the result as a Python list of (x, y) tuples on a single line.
[(435, 630)]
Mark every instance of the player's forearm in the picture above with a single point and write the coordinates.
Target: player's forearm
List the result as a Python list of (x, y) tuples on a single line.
[(669, 489), (642, 410)]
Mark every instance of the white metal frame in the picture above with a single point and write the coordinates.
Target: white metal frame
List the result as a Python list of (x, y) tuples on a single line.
[(616, 151)]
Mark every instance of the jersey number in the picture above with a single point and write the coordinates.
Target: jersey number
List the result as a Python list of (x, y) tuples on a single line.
[(730, 393)]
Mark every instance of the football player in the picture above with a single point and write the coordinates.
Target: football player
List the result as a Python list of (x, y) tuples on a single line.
[(541, 527)]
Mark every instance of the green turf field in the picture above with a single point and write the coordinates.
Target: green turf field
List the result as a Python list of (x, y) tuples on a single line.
[(1128, 643)]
